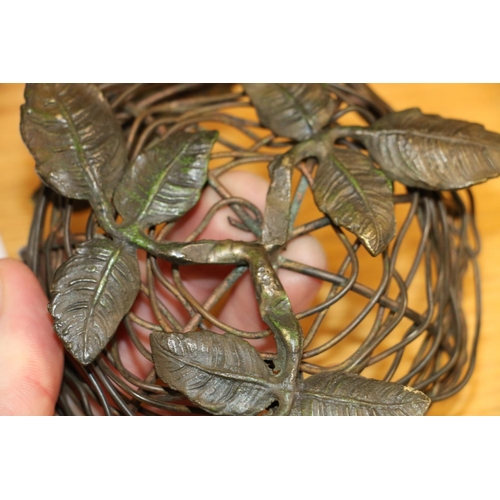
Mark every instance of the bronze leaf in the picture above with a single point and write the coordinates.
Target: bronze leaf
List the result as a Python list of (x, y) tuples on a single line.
[(77, 143), (357, 196), (90, 294), (295, 110), (339, 393), (222, 373), (430, 152), (166, 181)]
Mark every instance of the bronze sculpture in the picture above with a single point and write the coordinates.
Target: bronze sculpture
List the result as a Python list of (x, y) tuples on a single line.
[(80, 152)]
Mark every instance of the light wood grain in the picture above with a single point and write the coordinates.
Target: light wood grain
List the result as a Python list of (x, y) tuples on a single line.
[(473, 102)]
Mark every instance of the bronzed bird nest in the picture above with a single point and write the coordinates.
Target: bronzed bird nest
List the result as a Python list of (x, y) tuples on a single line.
[(388, 305)]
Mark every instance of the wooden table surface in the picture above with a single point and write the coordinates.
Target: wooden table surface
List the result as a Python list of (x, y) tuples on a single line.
[(472, 102)]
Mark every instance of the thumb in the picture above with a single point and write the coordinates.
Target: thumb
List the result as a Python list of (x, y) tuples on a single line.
[(31, 356)]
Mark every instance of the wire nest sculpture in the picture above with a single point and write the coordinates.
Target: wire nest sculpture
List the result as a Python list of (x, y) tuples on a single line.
[(394, 317)]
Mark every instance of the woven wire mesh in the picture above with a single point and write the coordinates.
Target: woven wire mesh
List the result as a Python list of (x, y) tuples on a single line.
[(396, 317)]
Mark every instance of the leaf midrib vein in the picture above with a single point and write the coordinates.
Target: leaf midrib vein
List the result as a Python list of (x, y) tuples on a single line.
[(428, 135), (352, 401), (303, 111), (103, 281), (352, 180), (157, 186), (73, 131), (213, 371)]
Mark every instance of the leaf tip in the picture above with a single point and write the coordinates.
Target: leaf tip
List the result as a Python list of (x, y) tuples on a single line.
[(421, 401)]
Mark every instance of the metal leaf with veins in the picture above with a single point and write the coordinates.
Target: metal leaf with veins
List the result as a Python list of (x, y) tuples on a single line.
[(166, 181), (357, 196), (338, 393), (431, 152), (77, 143), (295, 110), (221, 373), (91, 293)]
